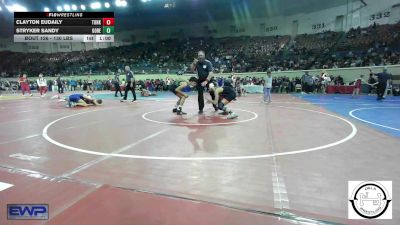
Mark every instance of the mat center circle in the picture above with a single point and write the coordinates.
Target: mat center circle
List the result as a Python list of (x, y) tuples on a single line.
[(255, 156), (209, 118)]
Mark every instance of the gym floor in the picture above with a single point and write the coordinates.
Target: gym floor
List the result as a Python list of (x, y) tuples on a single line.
[(286, 162)]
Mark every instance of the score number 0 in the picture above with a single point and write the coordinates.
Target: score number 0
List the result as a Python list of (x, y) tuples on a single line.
[(108, 21)]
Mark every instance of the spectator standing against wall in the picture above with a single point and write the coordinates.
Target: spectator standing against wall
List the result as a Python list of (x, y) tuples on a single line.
[(371, 81), (117, 86), (326, 80), (234, 78), (90, 84), (42, 85), (50, 85), (59, 84), (267, 87), (74, 84), (64, 85), (67, 85), (80, 84), (167, 83)]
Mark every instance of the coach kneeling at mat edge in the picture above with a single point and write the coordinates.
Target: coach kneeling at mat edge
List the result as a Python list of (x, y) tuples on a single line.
[(204, 70)]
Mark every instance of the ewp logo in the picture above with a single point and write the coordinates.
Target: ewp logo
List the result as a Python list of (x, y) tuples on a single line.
[(27, 211)]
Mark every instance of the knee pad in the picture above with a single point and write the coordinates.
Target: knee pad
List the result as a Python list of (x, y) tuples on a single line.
[(221, 106)]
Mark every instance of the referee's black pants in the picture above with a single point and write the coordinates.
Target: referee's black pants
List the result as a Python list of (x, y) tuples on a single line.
[(200, 92), (381, 89), (128, 87)]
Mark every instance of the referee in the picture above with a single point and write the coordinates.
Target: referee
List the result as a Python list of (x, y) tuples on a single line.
[(382, 83), (204, 70), (130, 84)]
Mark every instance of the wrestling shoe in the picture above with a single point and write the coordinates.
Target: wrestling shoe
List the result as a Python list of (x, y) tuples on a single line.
[(232, 116), (215, 107)]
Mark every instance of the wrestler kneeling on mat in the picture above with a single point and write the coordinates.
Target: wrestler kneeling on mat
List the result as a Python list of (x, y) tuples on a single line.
[(223, 95), (177, 89), (80, 100)]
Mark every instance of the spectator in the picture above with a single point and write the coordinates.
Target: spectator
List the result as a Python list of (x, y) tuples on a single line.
[(42, 85), (267, 87), (117, 86), (74, 85), (89, 84), (59, 84), (24, 84)]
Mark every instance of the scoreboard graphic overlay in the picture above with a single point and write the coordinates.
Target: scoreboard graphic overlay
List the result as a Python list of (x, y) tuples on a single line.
[(64, 26)]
